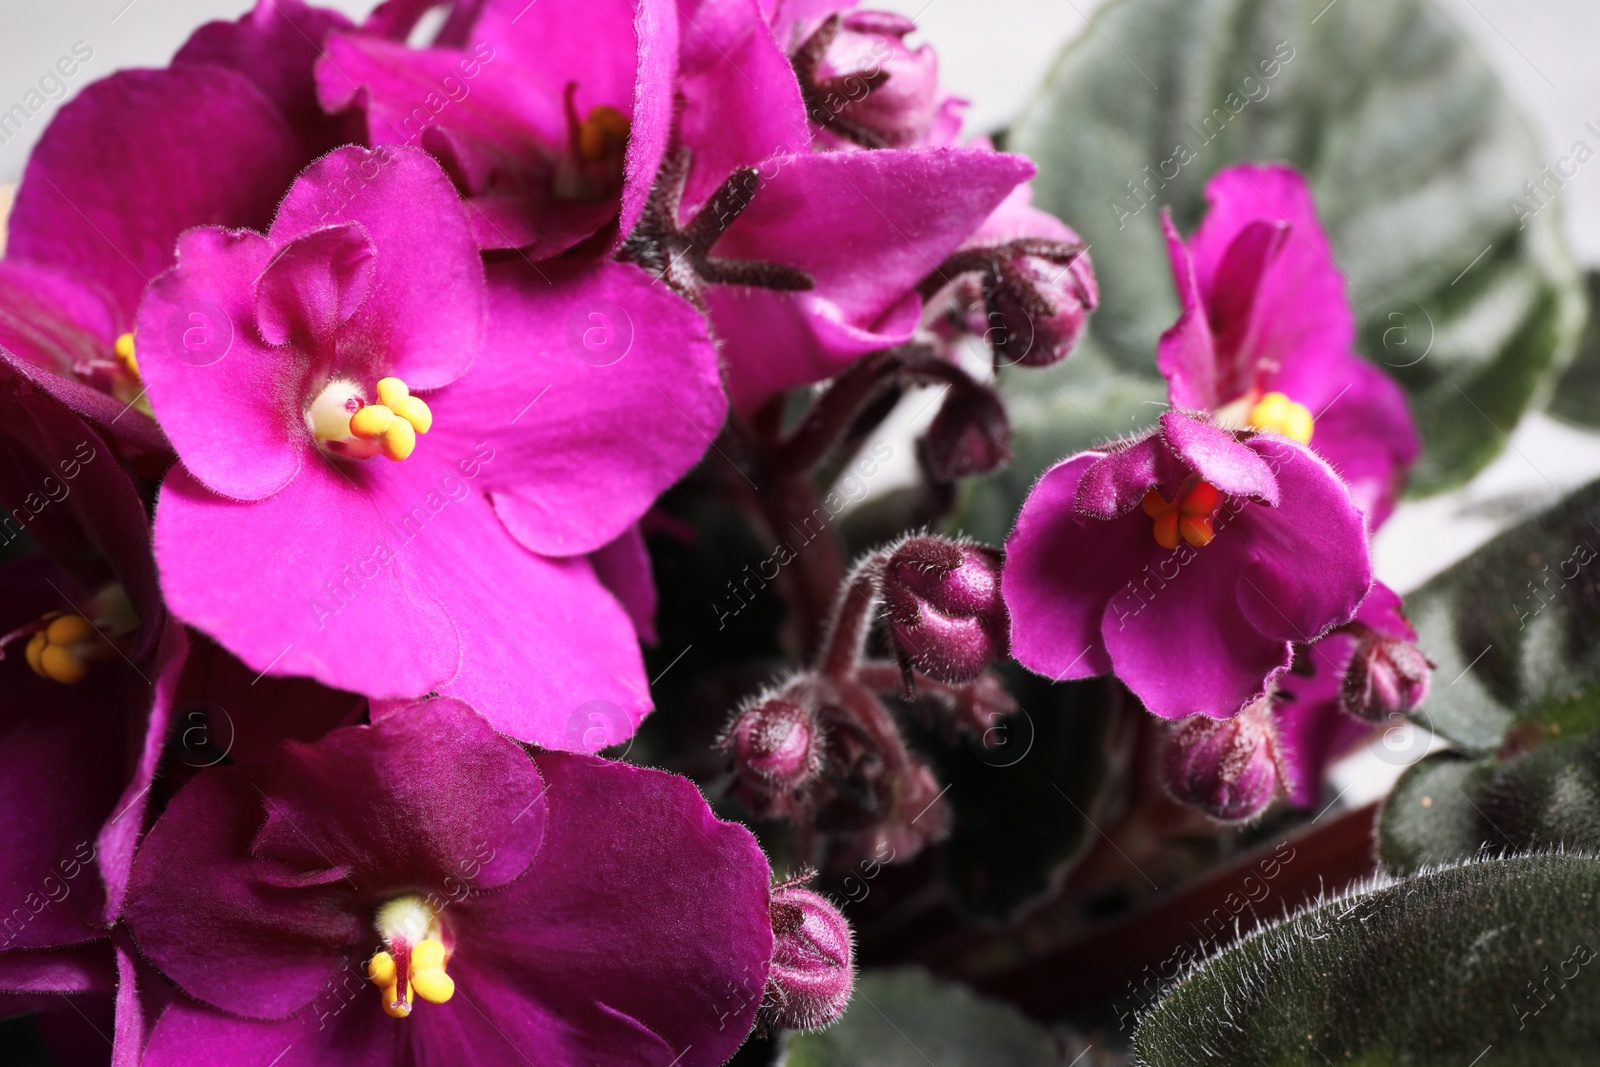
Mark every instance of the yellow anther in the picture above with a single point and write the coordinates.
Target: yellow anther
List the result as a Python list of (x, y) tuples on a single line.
[(394, 421), (415, 410), (1275, 411), (381, 969), (69, 630), (371, 421), (428, 955), (399, 440), (391, 391), (434, 986), (64, 649), (125, 356), (602, 134)]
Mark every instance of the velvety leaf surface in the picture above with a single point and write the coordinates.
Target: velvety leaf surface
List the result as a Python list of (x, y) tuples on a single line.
[(1490, 964)]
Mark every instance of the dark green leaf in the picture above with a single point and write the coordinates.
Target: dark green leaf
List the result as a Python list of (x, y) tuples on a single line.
[(1414, 152), (1447, 808), (1577, 396), (1442, 968), (1515, 630), (909, 1019)]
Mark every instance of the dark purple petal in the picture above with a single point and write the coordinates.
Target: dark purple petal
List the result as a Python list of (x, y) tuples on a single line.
[(342, 1027), (427, 797), (85, 968), (232, 929), (118, 837), (139, 157), (642, 924)]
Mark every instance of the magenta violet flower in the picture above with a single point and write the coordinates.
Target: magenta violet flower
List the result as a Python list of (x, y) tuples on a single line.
[(552, 118), (457, 563), (1313, 725), (134, 160), (421, 890), (1266, 336), (1188, 561)]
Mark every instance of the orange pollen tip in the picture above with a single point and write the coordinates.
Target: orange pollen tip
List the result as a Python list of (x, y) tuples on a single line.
[(1196, 530), (1188, 518)]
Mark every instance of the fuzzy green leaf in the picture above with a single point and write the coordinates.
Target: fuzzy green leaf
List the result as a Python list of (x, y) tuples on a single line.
[(910, 1019), (1493, 963)]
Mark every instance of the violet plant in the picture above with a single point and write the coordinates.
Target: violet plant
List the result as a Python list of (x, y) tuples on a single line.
[(451, 616)]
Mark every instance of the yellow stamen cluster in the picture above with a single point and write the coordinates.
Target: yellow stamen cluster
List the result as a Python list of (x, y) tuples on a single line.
[(1275, 411), (394, 421), (426, 978), (1187, 516), (64, 649)]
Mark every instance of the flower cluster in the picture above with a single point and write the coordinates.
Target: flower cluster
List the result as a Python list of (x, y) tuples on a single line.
[(339, 373), (341, 379), (1220, 566)]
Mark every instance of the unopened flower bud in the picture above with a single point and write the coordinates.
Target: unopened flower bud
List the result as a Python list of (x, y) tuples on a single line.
[(870, 79), (943, 603), (1228, 768), (813, 967), (1039, 307), (969, 436), (1386, 676), (776, 751)]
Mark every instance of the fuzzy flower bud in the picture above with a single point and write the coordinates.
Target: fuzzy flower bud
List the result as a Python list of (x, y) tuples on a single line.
[(969, 436), (776, 751), (1228, 768), (813, 969), (875, 83), (1386, 676), (945, 613), (1039, 307)]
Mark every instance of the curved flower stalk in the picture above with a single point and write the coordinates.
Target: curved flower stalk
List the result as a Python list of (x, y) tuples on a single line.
[(822, 748)]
